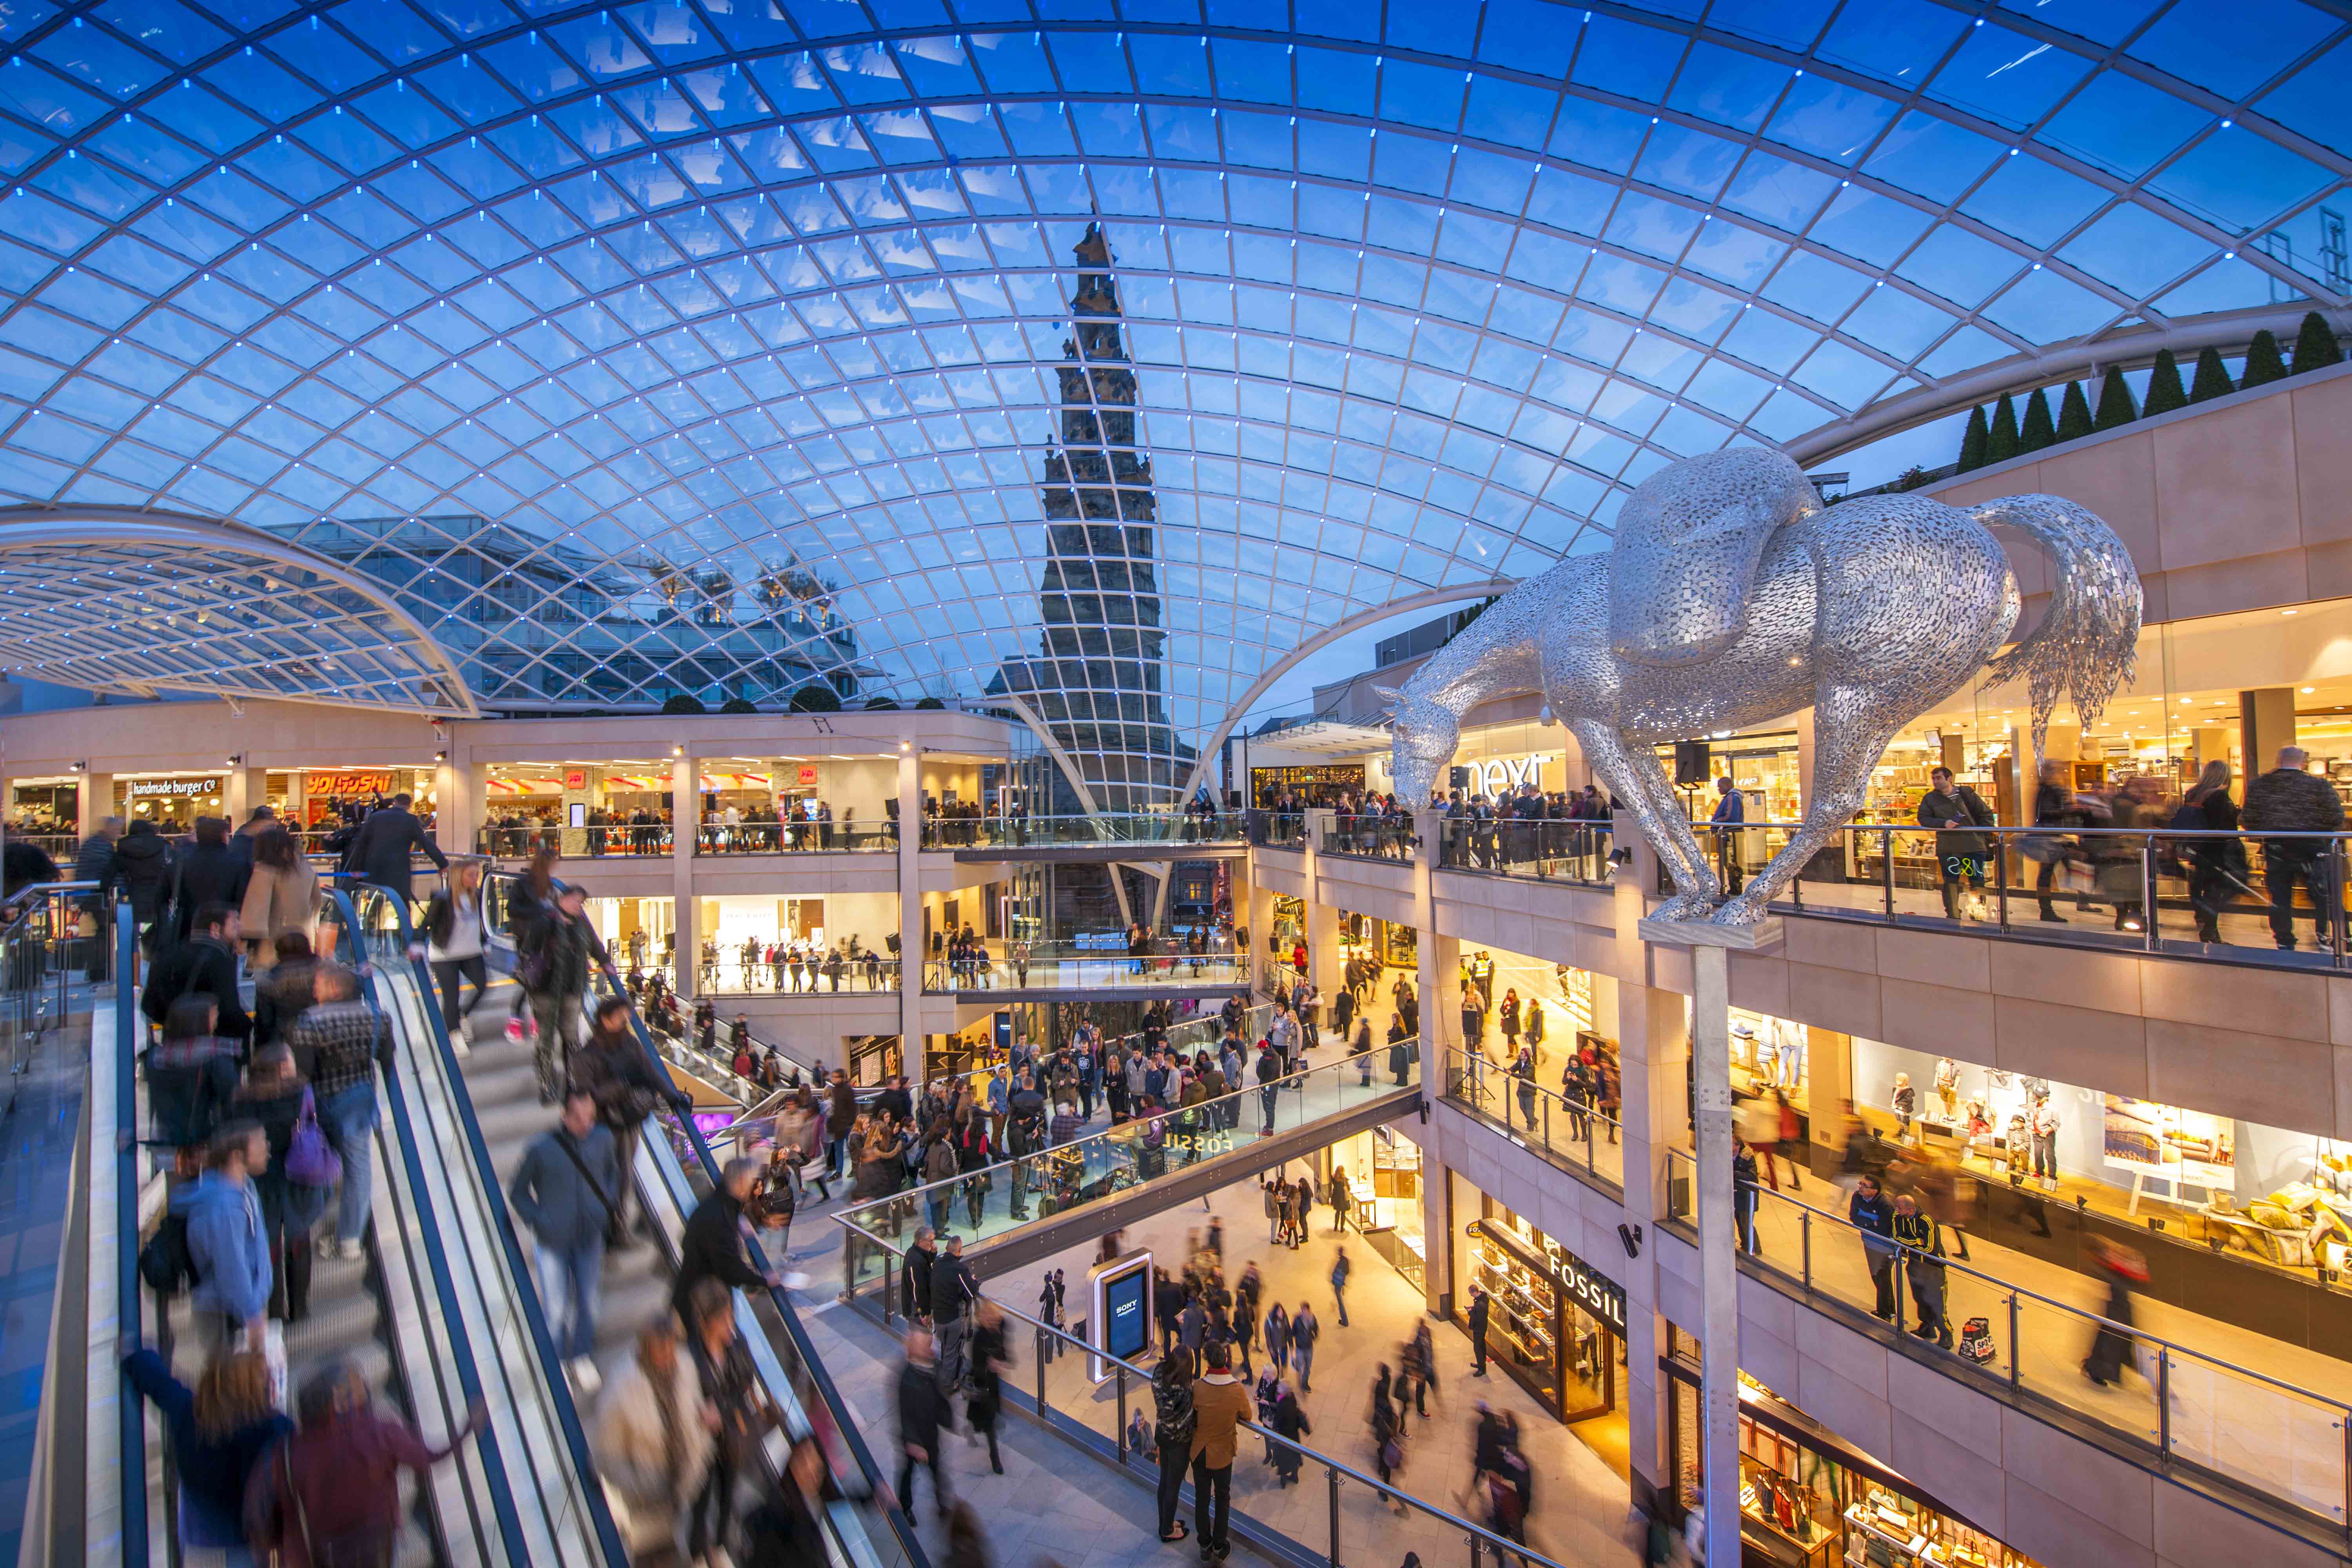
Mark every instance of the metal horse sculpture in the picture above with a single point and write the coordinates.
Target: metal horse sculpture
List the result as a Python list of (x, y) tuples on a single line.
[(1731, 598)]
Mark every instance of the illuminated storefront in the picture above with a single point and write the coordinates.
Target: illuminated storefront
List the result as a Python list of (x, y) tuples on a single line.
[(1314, 786), (1555, 1323), (1808, 1499), (1383, 1168)]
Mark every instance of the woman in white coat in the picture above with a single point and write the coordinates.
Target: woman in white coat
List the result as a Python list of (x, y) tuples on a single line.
[(653, 1442)]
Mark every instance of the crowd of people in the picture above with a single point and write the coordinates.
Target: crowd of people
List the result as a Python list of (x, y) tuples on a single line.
[(795, 965)]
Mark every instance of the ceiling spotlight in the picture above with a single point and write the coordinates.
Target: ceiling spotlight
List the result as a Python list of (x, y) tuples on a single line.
[(235, 758)]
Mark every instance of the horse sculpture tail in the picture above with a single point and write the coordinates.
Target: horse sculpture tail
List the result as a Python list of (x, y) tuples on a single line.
[(2088, 640)]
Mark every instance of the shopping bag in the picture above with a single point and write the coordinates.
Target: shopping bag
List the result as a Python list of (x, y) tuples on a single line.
[(273, 1355), (310, 1160)]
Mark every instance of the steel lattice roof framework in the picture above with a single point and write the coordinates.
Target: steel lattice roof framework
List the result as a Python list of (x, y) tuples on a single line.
[(740, 321), (143, 603)]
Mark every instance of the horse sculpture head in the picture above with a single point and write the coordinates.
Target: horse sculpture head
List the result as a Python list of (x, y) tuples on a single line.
[(1424, 735)]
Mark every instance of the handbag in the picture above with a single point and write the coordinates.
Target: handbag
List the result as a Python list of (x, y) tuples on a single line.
[(311, 1159)]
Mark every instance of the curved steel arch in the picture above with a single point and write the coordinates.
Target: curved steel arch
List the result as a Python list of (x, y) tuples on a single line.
[(136, 602), (1427, 600), (2128, 351)]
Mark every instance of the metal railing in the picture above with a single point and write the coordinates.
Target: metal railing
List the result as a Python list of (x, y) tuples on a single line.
[(521, 840), (1277, 829), (1365, 1520), (874, 1531), (1191, 1034), (728, 975), (1137, 827), (1093, 1167), (1369, 838), (454, 1323), (45, 948), (799, 837), (118, 928), (2264, 1433), (1551, 849), (1577, 1134), (504, 1288), (1090, 970)]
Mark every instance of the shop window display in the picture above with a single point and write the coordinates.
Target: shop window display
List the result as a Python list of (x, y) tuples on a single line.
[(1554, 1322), (1384, 1169), (1808, 1501), (2225, 1210)]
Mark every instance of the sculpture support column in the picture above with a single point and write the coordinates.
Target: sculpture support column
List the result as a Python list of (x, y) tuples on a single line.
[(1718, 1265), (686, 826), (913, 1059)]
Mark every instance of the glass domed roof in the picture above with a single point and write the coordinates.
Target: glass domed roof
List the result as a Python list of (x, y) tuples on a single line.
[(727, 344)]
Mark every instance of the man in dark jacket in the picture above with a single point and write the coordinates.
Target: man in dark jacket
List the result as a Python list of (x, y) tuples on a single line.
[(1952, 809), (557, 948), (921, 1407), (380, 852), (711, 1244), (565, 1192), (1481, 1306), (954, 1293), (204, 964), (2287, 799), (1874, 1217), (207, 873), (915, 1279), (142, 867), (94, 863), (1024, 1135), (612, 1066), (840, 1117)]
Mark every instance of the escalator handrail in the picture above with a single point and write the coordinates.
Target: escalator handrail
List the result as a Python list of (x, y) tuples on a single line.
[(892, 1509), (567, 1412), (461, 1350), (129, 1306)]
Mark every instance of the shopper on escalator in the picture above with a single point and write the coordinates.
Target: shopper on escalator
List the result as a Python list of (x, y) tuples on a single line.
[(219, 1432), (733, 1391), (204, 964), (615, 1068), (566, 1191), (557, 949), (275, 1096), (338, 1045), (711, 1244)]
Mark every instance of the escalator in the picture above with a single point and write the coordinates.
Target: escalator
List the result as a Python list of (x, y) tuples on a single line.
[(497, 1083), (425, 1314)]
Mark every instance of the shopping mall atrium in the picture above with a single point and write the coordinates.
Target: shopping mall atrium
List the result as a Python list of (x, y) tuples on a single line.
[(1670, 679)]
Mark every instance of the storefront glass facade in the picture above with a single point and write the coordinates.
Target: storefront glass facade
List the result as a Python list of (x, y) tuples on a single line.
[(1808, 1501), (1555, 1323), (1384, 1176)]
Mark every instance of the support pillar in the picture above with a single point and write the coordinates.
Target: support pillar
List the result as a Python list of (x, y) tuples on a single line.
[(685, 819), (1437, 1217), (94, 801), (460, 793), (242, 789), (2265, 723), (913, 1059), (1719, 1269)]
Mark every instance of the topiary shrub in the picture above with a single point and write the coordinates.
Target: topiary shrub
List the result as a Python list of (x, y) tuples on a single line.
[(2038, 429), (2116, 407), (2164, 392), (2264, 363), (684, 702), (929, 705), (2316, 347), (2073, 414), (881, 705), (1972, 441), (2000, 441), (2212, 378), (816, 698), (737, 705)]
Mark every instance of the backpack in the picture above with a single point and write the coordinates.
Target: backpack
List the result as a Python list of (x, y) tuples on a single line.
[(164, 1262)]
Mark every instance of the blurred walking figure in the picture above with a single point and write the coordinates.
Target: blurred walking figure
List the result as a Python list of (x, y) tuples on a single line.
[(920, 1407), (335, 1485), (2111, 1347), (564, 1191), (653, 1442)]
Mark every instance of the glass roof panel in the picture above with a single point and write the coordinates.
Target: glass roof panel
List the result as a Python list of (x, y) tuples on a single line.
[(1009, 351)]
